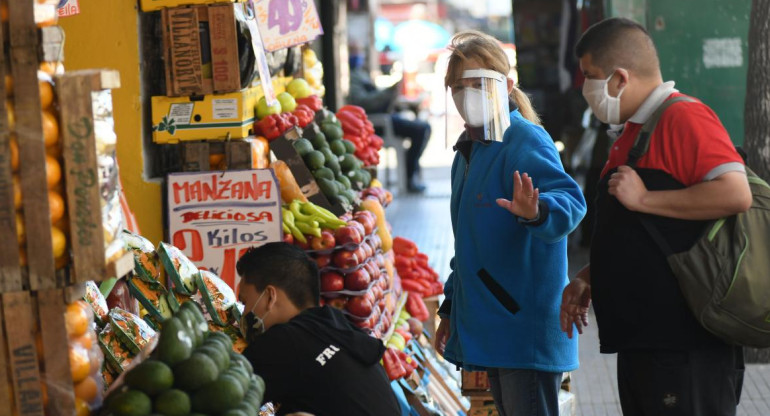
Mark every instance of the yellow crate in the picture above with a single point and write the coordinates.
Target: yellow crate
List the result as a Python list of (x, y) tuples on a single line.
[(152, 5), (211, 117)]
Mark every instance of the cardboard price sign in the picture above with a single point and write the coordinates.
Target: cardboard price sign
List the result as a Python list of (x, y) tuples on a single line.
[(286, 23), (214, 217)]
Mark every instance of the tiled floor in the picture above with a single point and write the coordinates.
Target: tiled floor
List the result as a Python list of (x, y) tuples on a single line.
[(425, 219)]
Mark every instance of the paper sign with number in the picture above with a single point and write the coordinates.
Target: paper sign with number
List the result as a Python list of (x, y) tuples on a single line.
[(214, 217), (286, 23)]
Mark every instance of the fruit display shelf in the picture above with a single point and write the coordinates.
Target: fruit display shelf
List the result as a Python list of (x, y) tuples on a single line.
[(399, 307)]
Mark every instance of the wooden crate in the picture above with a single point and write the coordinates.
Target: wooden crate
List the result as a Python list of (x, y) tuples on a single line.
[(83, 189), (196, 66), (483, 406), (474, 382)]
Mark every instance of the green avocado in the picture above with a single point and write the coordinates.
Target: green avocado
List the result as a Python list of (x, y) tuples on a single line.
[(315, 160), (303, 146)]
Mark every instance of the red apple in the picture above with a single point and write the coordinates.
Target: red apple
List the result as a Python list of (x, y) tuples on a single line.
[(357, 280), (361, 254), (345, 259), (359, 306), (381, 304), (380, 260), (348, 235), (346, 217), (358, 226), (338, 303), (377, 292), (325, 242), (370, 295), (300, 244), (288, 238), (383, 283), (332, 282), (366, 219), (323, 260)]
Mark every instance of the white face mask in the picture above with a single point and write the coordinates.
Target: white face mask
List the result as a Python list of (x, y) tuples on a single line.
[(605, 107), (471, 103), (252, 325)]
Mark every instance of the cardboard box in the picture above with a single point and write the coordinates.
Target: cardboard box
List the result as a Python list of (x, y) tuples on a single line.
[(212, 117), (200, 45), (474, 381), (283, 149), (153, 5)]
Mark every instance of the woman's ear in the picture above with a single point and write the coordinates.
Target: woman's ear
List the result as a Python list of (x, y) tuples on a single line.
[(511, 84)]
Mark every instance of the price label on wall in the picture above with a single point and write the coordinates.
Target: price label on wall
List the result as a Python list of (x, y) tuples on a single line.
[(214, 217), (285, 23)]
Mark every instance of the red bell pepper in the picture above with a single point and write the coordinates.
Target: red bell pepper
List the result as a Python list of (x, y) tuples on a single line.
[(359, 111), (268, 127), (312, 101), (392, 364), (404, 247), (416, 307)]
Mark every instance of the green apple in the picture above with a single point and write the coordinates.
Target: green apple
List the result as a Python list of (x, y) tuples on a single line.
[(288, 104), (263, 110), (299, 88)]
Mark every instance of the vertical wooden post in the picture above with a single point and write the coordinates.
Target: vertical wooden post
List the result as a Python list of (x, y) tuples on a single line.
[(29, 131), (22, 350), (57, 377)]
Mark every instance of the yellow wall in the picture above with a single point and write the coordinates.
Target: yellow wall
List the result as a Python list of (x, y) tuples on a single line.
[(105, 35)]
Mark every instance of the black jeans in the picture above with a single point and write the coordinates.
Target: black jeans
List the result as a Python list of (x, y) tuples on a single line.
[(706, 382)]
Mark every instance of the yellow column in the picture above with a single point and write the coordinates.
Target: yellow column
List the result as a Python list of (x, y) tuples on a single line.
[(105, 35)]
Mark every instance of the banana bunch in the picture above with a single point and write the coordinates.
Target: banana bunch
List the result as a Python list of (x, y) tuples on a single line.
[(306, 218)]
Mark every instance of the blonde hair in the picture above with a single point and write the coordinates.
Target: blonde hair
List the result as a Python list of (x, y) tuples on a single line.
[(471, 45)]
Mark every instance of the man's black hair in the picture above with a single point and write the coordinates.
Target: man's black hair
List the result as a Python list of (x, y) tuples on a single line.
[(619, 42), (284, 266)]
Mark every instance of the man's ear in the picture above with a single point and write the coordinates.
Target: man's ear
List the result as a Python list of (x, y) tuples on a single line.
[(622, 77), (511, 84), (272, 295)]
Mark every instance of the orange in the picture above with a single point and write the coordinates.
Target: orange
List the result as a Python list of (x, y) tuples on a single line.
[(215, 159), (59, 242), (86, 340), (81, 408), (55, 206), (80, 366), (96, 357), (8, 85), (76, 319), (52, 171), (87, 390), (11, 115), (16, 192), (21, 234), (46, 94), (48, 67), (50, 129), (14, 153)]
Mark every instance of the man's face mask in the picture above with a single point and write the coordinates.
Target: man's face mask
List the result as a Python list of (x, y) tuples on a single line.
[(604, 107), (251, 325)]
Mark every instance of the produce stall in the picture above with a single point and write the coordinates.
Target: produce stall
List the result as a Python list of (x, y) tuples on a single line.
[(250, 155)]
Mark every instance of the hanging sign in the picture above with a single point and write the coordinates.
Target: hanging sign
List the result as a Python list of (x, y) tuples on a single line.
[(286, 23), (214, 217), (69, 8)]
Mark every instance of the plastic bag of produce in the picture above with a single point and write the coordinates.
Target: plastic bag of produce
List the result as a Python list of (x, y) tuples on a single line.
[(152, 296), (117, 356), (131, 329), (146, 262), (218, 297), (181, 270), (97, 302)]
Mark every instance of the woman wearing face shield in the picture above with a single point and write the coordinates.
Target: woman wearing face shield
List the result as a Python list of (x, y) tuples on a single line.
[(501, 312)]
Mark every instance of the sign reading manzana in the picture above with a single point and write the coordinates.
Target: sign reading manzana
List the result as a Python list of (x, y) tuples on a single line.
[(214, 217)]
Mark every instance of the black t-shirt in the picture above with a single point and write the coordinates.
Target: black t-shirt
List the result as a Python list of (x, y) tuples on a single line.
[(319, 363)]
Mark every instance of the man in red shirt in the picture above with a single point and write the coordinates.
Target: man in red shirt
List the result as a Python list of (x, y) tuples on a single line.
[(668, 364)]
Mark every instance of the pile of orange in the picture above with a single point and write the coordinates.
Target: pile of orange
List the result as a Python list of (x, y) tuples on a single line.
[(85, 356), (53, 167)]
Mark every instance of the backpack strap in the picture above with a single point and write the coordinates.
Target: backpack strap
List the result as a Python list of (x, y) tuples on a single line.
[(642, 143)]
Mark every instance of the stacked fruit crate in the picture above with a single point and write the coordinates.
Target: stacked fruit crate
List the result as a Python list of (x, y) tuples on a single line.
[(51, 206)]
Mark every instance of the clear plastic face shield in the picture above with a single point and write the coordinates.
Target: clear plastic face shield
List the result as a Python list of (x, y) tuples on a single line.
[(481, 98)]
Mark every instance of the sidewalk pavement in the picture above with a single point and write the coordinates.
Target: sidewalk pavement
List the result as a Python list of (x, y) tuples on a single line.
[(425, 220)]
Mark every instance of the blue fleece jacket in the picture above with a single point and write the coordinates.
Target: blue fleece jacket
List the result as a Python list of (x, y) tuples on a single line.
[(507, 277)]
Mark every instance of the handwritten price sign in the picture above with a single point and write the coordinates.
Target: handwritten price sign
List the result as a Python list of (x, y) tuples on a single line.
[(214, 217), (285, 23)]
